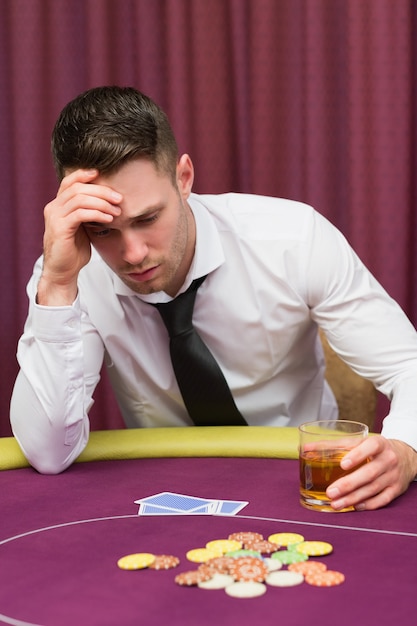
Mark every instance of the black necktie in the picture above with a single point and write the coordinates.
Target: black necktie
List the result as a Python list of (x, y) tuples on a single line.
[(202, 384)]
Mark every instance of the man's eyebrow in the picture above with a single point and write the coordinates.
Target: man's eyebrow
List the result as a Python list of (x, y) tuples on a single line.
[(144, 214), (95, 224)]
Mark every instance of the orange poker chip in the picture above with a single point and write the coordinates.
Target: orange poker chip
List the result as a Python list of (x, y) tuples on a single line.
[(192, 578), (307, 567), (219, 565), (249, 569), (164, 561), (263, 546), (244, 537), (328, 578)]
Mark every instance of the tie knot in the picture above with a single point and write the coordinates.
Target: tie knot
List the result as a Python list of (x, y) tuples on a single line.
[(177, 315)]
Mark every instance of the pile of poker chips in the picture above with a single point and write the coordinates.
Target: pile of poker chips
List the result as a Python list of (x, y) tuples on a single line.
[(245, 564)]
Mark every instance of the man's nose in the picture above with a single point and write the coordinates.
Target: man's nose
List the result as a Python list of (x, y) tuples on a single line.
[(134, 248)]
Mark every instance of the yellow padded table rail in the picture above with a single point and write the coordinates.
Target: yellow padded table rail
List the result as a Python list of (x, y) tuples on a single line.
[(228, 441)]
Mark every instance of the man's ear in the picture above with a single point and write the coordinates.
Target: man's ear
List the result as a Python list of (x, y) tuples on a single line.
[(185, 175)]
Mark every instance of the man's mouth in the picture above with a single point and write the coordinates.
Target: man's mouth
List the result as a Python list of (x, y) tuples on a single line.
[(143, 276)]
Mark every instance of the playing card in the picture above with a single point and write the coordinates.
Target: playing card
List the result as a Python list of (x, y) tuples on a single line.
[(170, 503), (230, 507), (149, 509), (176, 502)]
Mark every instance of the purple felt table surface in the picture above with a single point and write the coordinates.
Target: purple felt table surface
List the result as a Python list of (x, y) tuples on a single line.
[(61, 537)]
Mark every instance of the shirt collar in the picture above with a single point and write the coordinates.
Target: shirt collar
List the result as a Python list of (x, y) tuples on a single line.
[(208, 254)]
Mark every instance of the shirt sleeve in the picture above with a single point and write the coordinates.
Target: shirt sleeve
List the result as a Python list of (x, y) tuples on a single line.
[(60, 357), (364, 325)]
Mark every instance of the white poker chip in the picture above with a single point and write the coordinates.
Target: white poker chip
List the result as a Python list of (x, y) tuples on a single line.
[(245, 590), (272, 564), (284, 578), (218, 581)]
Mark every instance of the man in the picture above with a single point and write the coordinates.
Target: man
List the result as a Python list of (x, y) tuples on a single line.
[(125, 231)]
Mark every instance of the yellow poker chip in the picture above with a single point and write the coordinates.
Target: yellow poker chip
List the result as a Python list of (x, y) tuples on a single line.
[(223, 545), (286, 539), (201, 555), (314, 548), (136, 561)]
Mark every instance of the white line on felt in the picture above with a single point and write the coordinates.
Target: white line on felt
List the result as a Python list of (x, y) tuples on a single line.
[(365, 530), (254, 517), (82, 521)]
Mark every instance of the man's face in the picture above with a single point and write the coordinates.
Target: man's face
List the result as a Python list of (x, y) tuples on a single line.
[(150, 245)]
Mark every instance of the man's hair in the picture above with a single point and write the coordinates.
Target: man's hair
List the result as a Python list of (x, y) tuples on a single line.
[(105, 127)]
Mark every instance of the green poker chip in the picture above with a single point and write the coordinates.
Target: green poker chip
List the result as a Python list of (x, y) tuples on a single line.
[(289, 556), (235, 554)]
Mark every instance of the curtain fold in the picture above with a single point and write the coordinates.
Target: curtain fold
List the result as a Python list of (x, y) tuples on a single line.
[(308, 99)]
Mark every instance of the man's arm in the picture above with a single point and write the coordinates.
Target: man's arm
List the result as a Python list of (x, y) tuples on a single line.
[(373, 335), (59, 354), (60, 357)]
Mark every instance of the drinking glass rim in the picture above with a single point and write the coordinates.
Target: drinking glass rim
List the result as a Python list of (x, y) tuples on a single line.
[(315, 425)]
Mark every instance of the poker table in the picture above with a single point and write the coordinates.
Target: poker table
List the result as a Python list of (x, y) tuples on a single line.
[(61, 536)]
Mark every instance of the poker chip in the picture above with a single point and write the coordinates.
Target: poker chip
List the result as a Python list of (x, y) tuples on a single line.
[(245, 590), (220, 565), (272, 564), (201, 555), (238, 553), (289, 556), (286, 539), (191, 578), (248, 569), (284, 578), (245, 564), (327, 578), (164, 561), (314, 548), (218, 581), (263, 546), (136, 561), (307, 567), (244, 537), (223, 545)]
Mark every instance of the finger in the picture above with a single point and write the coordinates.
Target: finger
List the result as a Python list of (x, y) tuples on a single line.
[(78, 189), (92, 208), (79, 175), (365, 481), (83, 203), (366, 500), (80, 182), (347, 496), (368, 448), (381, 499)]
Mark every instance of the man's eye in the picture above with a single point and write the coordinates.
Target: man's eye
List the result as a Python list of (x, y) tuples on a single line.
[(103, 232), (148, 219)]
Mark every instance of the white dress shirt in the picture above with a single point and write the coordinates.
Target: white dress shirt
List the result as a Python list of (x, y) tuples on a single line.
[(276, 269)]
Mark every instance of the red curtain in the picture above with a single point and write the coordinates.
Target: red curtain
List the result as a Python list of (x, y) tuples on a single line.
[(308, 99)]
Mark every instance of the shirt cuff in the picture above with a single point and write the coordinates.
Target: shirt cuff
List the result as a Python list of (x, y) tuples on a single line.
[(57, 323)]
